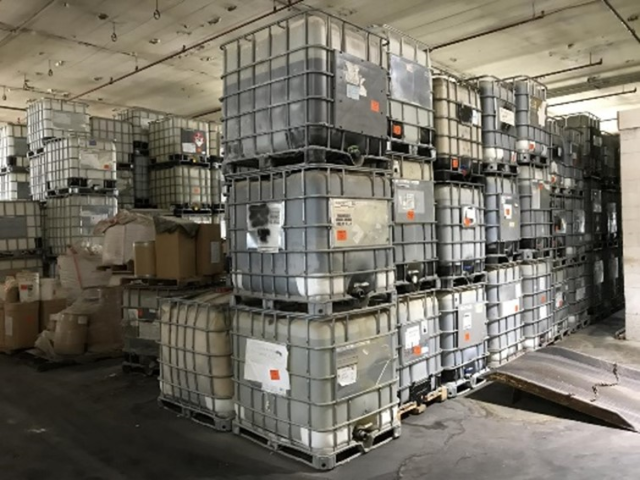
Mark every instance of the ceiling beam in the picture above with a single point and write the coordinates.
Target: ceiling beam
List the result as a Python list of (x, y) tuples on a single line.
[(622, 20)]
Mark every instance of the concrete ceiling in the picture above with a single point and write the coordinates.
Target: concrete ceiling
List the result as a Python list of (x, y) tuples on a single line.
[(73, 40)]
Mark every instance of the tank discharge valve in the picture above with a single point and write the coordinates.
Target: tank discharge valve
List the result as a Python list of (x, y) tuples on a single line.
[(360, 289), (365, 434)]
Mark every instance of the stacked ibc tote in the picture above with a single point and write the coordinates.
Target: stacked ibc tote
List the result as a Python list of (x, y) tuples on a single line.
[(460, 214), (310, 231), (21, 232), (73, 174), (502, 219), (533, 147)]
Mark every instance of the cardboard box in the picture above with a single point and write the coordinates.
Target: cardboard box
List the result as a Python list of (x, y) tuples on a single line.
[(175, 255), (48, 308), (209, 256), (19, 325)]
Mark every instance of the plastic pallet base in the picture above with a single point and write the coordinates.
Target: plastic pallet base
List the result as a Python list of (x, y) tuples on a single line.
[(497, 259), (208, 419), (63, 192), (448, 283), (424, 285), (463, 386), (418, 406), (317, 461), (532, 159), (500, 169), (177, 160), (541, 341), (306, 156), (426, 153), (321, 308), (536, 254)]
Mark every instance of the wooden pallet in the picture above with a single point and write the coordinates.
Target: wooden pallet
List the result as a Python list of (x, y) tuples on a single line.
[(439, 395)]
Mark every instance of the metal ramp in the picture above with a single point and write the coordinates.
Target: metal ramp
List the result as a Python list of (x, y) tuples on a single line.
[(598, 388)]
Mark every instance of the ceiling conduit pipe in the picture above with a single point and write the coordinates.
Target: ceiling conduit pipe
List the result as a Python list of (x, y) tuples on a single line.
[(568, 70), (597, 97), (188, 49)]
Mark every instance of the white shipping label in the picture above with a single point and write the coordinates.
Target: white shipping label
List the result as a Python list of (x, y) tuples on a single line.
[(347, 375), (188, 147), (354, 78), (518, 290), (559, 300), (8, 326), (264, 226), (343, 211), (542, 114), (407, 201), (469, 216), (89, 159), (581, 293), (475, 117), (359, 222), (216, 252), (597, 141), (542, 283), (466, 321), (266, 363), (510, 307), (412, 337), (543, 312), (507, 116)]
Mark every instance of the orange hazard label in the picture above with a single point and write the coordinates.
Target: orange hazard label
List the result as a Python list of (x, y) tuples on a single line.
[(375, 106), (454, 163), (411, 214), (417, 350), (341, 235), (274, 374), (467, 337), (397, 130)]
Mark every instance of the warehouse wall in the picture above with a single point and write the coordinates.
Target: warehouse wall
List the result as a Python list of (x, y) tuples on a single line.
[(629, 125)]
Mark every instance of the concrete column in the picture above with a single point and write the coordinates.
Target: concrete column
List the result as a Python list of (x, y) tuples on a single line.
[(629, 126)]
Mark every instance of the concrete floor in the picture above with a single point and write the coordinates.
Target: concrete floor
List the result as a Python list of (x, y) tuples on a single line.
[(94, 423)]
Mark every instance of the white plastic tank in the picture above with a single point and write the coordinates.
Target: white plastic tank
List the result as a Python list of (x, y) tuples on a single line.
[(414, 215), (419, 353), (531, 119), (502, 215), (461, 229), (195, 354), (318, 384), (463, 326), (498, 122), (504, 313), (535, 201), (537, 292), (312, 235)]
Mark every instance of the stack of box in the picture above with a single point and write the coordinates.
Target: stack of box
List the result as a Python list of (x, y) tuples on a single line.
[(313, 320), (460, 215), (502, 218), (14, 164)]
